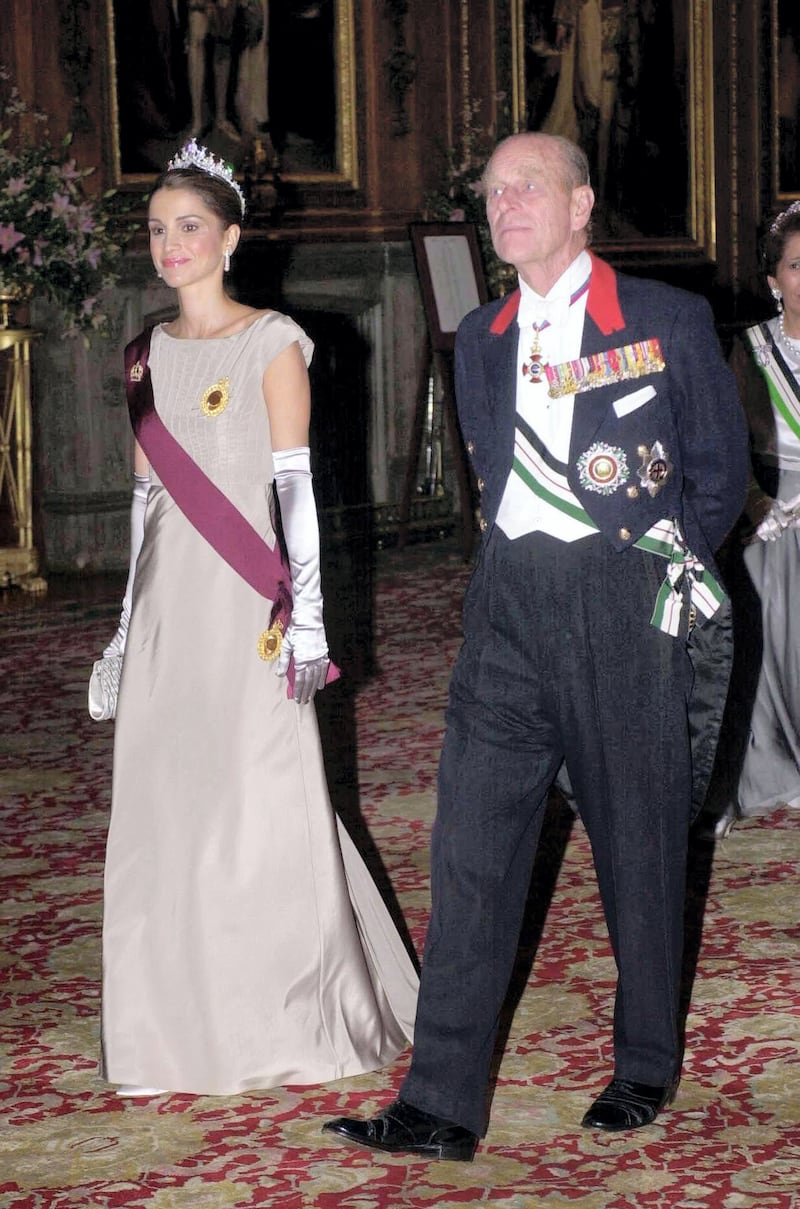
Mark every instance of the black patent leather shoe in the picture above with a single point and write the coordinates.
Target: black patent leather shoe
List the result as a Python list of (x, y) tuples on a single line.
[(625, 1105), (403, 1129)]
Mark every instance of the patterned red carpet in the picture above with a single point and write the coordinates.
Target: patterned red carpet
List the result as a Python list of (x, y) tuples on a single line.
[(732, 1139)]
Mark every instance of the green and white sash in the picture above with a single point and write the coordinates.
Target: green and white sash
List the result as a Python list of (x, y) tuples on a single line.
[(547, 479), (781, 383), (705, 593)]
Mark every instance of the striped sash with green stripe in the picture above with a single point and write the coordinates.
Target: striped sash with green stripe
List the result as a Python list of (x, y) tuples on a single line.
[(780, 380), (663, 538)]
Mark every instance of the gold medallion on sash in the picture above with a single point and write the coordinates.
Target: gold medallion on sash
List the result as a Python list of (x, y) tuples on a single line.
[(270, 642)]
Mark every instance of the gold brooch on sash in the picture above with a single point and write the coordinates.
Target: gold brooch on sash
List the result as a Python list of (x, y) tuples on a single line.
[(137, 372), (270, 642), (216, 398)]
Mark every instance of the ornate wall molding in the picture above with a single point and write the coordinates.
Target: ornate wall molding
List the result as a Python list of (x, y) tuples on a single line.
[(733, 184), (401, 66), (75, 56)]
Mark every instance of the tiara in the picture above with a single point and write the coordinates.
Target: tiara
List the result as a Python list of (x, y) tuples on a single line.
[(193, 156), (781, 219)]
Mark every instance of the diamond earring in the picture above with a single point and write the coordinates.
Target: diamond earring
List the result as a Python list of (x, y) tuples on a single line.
[(778, 296), (227, 260)]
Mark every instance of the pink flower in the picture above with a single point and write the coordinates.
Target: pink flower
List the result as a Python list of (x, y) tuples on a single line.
[(9, 236), (457, 216), (61, 204), (64, 245)]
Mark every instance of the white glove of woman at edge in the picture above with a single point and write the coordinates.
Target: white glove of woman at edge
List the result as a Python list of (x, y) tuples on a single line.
[(104, 681), (305, 635), (779, 517)]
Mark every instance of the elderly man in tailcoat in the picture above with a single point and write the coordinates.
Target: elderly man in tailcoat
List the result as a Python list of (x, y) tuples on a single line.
[(611, 454)]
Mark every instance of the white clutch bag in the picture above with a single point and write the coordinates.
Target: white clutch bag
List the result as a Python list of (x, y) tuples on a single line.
[(103, 688)]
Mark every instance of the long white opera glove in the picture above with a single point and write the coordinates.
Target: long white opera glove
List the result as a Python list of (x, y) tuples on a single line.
[(780, 516), (305, 637), (104, 681)]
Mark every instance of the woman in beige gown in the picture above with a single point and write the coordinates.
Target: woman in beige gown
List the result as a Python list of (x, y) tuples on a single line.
[(244, 943)]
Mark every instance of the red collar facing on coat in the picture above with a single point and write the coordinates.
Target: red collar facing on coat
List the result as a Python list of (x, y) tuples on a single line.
[(602, 303)]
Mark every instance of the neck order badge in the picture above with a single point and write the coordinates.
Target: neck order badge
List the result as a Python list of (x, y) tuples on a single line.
[(533, 369)]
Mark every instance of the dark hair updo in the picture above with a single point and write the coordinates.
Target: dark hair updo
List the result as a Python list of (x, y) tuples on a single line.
[(774, 243), (214, 193)]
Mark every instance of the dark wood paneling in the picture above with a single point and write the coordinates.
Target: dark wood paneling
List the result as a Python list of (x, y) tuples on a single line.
[(460, 51)]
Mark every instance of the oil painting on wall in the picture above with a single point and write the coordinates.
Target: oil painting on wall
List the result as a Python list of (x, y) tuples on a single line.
[(615, 76), (255, 80)]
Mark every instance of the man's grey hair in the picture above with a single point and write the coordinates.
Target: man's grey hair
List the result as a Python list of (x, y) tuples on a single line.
[(573, 158), (575, 161)]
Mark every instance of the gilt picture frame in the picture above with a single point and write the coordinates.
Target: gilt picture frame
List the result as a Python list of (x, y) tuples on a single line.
[(637, 94), (268, 88)]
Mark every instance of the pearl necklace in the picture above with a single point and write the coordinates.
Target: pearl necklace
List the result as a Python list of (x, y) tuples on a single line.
[(789, 342)]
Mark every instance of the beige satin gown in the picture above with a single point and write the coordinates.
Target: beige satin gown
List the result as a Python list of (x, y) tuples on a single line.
[(244, 942)]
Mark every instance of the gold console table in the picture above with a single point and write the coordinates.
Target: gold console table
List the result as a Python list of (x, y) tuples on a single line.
[(19, 563)]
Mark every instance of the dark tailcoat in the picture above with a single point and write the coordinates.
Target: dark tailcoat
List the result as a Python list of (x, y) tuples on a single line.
[(695, 414)]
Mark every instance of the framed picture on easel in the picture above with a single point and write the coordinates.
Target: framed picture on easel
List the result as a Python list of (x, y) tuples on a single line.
[(452, 283), (450, 275)]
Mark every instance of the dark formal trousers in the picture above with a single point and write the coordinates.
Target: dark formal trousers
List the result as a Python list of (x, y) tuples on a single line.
[(559, 661)]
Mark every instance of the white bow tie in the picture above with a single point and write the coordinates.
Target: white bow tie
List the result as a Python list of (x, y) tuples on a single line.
[(541, 312)]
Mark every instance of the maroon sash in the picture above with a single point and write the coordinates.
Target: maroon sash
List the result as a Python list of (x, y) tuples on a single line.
[(200, 500)]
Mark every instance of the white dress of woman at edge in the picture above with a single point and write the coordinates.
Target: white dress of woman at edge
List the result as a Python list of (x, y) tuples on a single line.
[(770, 775), (245, 944)]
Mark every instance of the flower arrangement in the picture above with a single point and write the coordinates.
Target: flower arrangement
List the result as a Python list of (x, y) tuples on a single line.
[(459, 197), (55, 239)]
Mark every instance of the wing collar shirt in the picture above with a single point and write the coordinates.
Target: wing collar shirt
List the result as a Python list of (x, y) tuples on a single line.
[(544, 449)]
